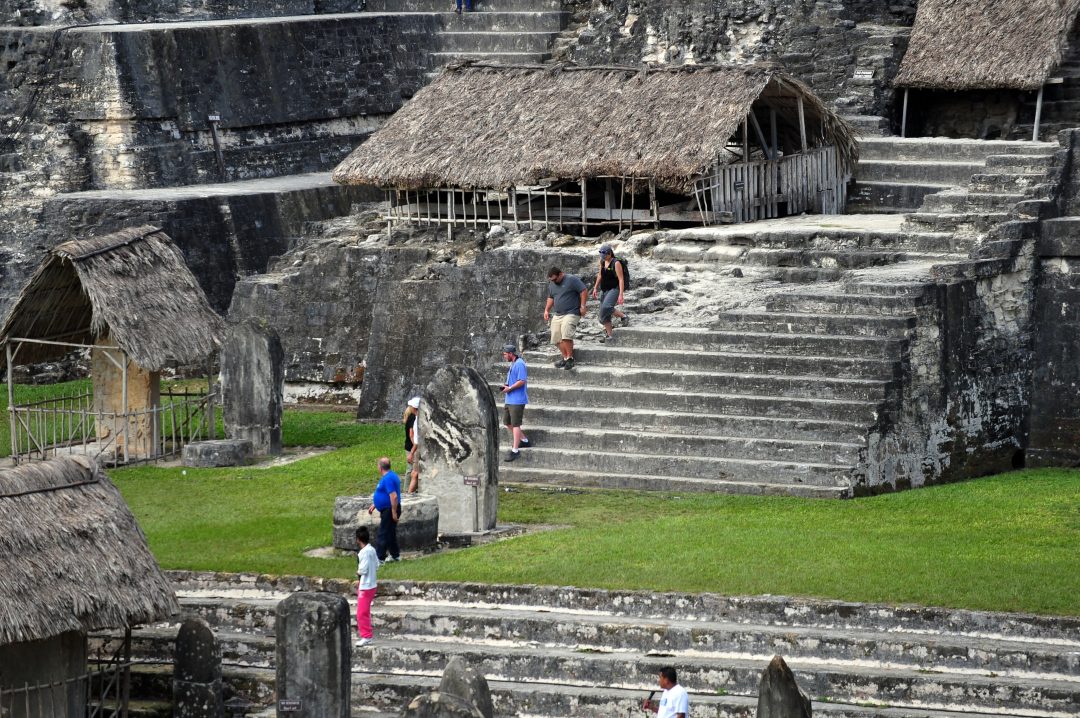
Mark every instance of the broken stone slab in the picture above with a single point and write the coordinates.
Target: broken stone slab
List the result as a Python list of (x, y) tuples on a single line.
[(440, 705), (418, 527), (459, 449), (253, 385), (462, 680), (218, 452), (779, 696), (314, 656), (197, 689)]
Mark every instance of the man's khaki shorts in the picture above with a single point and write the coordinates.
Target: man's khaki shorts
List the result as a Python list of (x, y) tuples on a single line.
[(513, 414), (564, 326)]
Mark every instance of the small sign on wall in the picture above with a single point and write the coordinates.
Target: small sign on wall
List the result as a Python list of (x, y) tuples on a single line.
[(472, 480), (290, 705), (863, 75)]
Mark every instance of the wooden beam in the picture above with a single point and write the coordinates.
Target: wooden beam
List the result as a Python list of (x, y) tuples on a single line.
[(1038, 115), (772, 132), (903, 115), (802, 124), (760, 136)]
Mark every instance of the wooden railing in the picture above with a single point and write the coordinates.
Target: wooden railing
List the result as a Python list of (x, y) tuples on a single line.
[(70, 424), (810, 181)]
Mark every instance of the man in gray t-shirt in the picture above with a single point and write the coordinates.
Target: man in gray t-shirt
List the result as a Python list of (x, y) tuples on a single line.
[(567, 295)]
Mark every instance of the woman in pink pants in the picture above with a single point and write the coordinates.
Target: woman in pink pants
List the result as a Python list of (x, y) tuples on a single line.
[(367, 563)]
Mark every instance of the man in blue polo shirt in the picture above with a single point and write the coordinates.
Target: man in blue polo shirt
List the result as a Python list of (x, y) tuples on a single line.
[(387, 501), (515, 397)]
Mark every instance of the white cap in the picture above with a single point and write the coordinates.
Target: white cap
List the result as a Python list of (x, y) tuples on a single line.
[(415, 402)]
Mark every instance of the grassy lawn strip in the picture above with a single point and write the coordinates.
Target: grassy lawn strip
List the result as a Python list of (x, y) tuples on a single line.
[(1002, 543)]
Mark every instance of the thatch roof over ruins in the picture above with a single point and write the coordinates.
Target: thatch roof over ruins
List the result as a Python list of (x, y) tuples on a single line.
[(986, 44), (481, 125), (74, 557), (132, 285)]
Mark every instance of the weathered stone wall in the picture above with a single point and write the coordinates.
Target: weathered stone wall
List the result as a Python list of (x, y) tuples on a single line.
[(394, 314), (68, 12), (822, 42)]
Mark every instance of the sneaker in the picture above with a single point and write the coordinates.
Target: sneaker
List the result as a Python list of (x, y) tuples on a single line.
[(569, 363), (560, 364), (391, 559), (513, 455), (361, 642), (525, 444), (625, 321), (603, 339)]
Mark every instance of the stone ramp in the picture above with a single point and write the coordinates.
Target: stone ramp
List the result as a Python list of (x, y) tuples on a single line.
[(569, 652)]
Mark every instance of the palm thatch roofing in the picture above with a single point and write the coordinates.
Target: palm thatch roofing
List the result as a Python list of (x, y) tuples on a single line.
[(132, 285), (482, 125), (986, 44), (74, 559)]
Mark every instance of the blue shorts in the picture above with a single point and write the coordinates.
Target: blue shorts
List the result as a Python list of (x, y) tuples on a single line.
[(607, 305)]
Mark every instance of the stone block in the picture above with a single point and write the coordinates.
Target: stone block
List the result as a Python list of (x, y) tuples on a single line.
[(459, 449), (418, 528), (253, 385), (779, 696), (461, 680), (220, 452), (197, 690), (440, 705), (314, 656)]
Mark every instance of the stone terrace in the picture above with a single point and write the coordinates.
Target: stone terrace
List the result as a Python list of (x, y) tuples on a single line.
[(571, 652)]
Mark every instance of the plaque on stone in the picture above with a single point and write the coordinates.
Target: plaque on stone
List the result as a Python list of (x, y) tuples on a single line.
[(459, 439)]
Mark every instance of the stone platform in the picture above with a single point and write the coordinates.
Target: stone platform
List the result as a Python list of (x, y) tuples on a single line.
[(418, 528)]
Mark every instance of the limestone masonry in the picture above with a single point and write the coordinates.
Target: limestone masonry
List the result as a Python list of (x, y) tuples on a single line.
[(925, 336)]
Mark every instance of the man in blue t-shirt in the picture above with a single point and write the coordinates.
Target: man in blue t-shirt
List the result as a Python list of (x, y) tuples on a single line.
[(516, 396), (387, 501)]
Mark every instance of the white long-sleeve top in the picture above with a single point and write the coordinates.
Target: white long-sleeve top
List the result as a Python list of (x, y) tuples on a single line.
[(367, 564)]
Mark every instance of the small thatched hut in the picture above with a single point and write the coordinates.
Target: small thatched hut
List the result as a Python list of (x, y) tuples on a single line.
[(976, 62), (74, 561), (129, 297), (604, 146)]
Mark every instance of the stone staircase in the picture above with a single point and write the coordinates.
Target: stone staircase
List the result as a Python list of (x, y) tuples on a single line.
[(1061, 101), (895, 175), (786, 389), (554, 652)]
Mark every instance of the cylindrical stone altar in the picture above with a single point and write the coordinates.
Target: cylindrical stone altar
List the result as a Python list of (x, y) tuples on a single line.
[(418, 527)]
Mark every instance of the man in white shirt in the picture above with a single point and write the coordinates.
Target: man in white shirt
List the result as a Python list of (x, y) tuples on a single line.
[(674, 702)]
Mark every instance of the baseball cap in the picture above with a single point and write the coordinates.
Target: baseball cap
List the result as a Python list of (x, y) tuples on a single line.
[(509, 349), (415, 402), (606, 249)]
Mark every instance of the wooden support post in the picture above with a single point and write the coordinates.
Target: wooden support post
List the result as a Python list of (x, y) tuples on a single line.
[(514, 208), (761, 136), (745, 140), (124, 401), (802, 124), (211, 426), (11, 401), (622, 199), (653, 204), (772, 133), (584, 207), (903, 115), (1038, 115)]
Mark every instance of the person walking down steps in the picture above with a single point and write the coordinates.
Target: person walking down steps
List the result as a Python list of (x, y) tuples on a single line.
[(515, 397), (610, 287), (567, 296), (367, 566)]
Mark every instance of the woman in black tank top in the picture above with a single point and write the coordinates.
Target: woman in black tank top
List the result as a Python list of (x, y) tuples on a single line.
[(609, 287)]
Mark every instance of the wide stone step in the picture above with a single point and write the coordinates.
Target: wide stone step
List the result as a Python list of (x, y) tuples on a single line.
[(1019, 163), (890, 197), (587, 377), (946, 202), (479, 6), (916, 171), (684, 422), (808, 323), (965, 223), (704, 445), (841, 303), (699, 467), (505, 21), (487, 42), (803, 342), (494, 624), (833, 258), (506, 58), (942, 149), (618, 357), (514, 474), (602, 399)]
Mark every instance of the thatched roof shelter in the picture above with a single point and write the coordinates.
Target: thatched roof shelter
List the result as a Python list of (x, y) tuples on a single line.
[(481, 125), (133, 285), (986, 44), (74, 559)]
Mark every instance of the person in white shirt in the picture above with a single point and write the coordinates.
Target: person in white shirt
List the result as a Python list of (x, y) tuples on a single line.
[(674, 702), (367, 564)]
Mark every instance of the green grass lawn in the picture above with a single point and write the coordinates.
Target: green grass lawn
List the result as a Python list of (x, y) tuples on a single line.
[(1003, 543), (1009, 542)]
